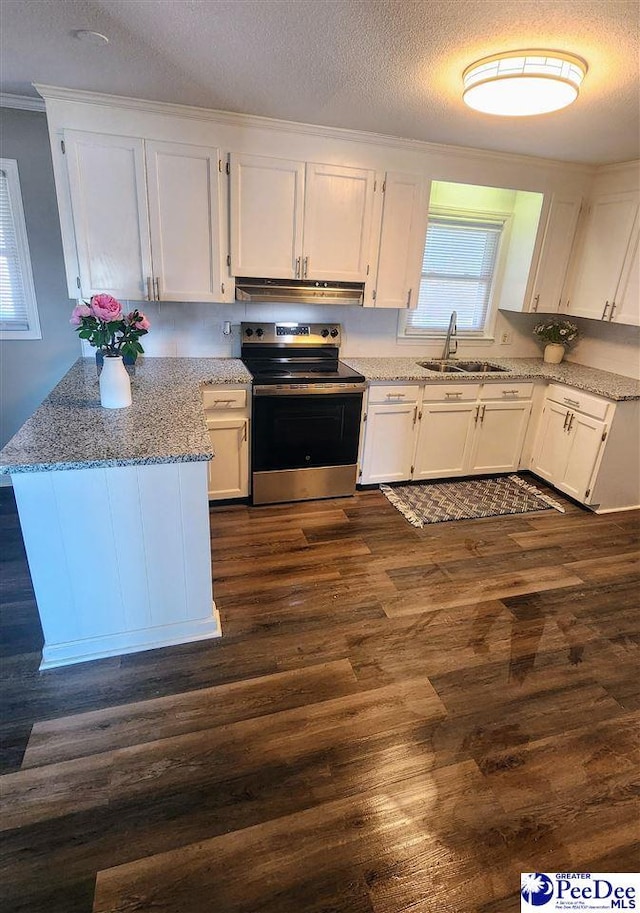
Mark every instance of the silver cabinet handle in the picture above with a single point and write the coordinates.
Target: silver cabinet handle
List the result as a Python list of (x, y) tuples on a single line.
[(415, 415), (566, 419), (244, 433), (484, 409), (297, 267), (606, 308), (156, 283), (510, 392), (570, 423), (475, 419), (452, 394), (149, 290), (572, 402), (305, 267), (409, 297), (536, 302), (392, 395), (613, 310)]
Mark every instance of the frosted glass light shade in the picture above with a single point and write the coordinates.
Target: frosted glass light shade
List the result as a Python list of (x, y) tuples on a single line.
[(522, 83)]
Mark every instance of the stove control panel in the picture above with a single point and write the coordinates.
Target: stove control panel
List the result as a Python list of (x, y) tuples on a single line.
[(291, 333)]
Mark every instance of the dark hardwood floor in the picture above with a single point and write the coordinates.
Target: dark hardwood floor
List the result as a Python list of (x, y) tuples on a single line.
[(395, 721)]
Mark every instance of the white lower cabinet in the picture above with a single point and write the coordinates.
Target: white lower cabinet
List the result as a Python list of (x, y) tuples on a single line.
[(227, 414), (444, 440), (498, 437), (443, 431), (388, 447), (569, 442)]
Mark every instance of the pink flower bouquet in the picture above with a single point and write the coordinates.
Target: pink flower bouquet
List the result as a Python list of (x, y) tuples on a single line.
[(104, 325)]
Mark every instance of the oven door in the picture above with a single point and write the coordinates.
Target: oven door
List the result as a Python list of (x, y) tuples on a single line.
[(305, 431), (305, 442)]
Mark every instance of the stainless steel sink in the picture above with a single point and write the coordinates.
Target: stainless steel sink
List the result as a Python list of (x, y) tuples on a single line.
[(480, 367), (462, 367), (441, 366)]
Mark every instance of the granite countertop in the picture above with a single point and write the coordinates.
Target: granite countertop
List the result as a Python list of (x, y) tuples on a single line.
[(165, 423), (592, 380)]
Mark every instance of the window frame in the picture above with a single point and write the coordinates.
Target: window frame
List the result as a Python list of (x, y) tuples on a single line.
[(10, 168), (487, 334)]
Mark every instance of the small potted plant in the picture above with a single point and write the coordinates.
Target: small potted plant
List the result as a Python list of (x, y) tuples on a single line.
[(557, 335), (115, 334)]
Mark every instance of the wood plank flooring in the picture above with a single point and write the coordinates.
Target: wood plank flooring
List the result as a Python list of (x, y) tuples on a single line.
[(395, 721)]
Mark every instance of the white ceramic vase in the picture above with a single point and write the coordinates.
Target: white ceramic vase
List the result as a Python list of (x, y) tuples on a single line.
[(553, 353), (115, 383)]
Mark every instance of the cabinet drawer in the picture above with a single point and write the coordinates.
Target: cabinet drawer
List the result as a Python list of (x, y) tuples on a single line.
[(394, 393), (576, 399), (450, 393), (220, 398), (506, 391)]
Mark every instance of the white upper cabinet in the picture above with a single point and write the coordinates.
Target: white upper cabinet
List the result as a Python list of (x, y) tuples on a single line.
[(603, 255), (183, 205), (626, 307), (266, 214), (295, 221), (146, 217), (109, 202), (337, 222), (405, 204), (559, 235)]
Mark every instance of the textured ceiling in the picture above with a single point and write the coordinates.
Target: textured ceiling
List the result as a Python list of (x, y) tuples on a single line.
[(387, 66)]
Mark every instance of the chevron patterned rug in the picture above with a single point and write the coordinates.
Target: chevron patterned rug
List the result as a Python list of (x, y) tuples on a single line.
[(468, 499)]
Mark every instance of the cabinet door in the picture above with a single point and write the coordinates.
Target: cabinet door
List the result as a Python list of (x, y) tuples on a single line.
[(338, 214), (603, 253), (388, 443), (585, 441), (551, 449), (559, 235), (182, 184), (444, 440), (499, 435), (109, 202), (402, 238), (229, 469), (626, 308), (267, 200)]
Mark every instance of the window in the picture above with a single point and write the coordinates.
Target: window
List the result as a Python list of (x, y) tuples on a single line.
[(18, 308), (458, 269)]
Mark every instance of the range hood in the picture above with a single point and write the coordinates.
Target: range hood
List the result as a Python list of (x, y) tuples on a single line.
[(296, 292)]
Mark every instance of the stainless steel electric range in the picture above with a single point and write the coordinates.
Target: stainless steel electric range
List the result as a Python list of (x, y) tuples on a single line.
[(306, 412)]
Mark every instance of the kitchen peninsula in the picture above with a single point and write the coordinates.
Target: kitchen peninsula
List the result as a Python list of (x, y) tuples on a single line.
[(114, 511)]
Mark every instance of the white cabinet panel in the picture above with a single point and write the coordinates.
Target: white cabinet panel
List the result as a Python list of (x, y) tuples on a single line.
[(558, 240), (402, 239), (585, 442), (626, 308), (552, 443), (109, 202), (229, 468), (444, 440), (267, 201), (602, 257), (337, 222), (388, 446), (500, 428), (183, 212)]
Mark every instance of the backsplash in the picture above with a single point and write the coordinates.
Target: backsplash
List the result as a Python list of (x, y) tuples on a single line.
[(195, 330)]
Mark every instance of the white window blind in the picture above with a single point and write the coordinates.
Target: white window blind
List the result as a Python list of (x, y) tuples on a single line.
[(18, 310), (457, 275)]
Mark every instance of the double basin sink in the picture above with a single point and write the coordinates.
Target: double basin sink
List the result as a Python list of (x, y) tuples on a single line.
[(462, 367)]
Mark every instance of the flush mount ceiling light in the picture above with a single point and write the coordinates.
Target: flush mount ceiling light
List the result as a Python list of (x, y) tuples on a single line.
[(521, 83), (89, 37)]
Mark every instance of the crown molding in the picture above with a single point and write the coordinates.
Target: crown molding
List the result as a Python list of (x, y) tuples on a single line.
[(21, 102), (234, 119), (614, 167)]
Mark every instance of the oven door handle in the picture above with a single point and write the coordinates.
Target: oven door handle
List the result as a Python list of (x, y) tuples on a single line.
[(307, 389)]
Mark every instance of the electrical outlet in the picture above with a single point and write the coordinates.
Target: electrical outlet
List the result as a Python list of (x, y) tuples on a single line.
[(505, 339)]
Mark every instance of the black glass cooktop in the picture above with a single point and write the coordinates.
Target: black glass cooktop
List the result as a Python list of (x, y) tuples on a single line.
[(302, 373)]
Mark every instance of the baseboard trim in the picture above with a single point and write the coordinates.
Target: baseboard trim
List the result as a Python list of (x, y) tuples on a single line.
[(81, 651), (616, 510)]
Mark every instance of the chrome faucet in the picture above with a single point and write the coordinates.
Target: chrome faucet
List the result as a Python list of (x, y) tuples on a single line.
[(451, 345)]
